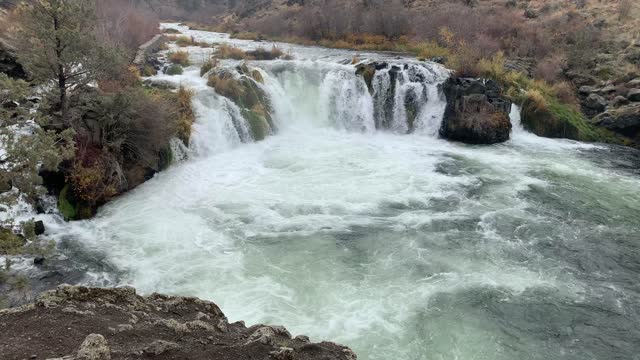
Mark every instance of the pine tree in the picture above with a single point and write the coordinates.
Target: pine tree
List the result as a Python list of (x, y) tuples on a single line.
[(57, 44)]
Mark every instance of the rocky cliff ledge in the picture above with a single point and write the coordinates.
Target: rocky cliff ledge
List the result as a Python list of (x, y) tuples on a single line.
[(96, 324)]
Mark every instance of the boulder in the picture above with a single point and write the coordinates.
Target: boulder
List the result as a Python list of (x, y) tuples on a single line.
[(159, 347), (582, 79), (94, 347), (9, 63), (586, 90), (609, 89), (39, 227), (619, 101), (521, 65), (5, 185), (634, 83), (160, 84), (624, 120), (530, 14), (634, 95), (476, 113), (595, 102), (367, 71)]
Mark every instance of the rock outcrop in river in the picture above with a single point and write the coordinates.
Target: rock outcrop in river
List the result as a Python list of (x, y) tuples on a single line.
[(98, 324), (476, 112)]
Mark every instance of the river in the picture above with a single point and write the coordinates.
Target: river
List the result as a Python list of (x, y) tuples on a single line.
[(400, 246)]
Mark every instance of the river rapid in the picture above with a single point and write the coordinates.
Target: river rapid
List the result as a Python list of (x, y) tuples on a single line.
[(400, 246)]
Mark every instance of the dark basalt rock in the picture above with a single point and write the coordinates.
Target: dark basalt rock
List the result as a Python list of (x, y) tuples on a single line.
[(39, 227), (594, 104), (9, 63), (634, 95), (476, 112), (624, 120), (75, 322)]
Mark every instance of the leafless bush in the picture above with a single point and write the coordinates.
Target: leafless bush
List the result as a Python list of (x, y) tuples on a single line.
[(125, 23), (550, 68), (388, 18), (584, 47)]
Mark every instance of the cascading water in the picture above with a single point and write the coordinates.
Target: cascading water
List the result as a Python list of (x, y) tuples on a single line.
[(401, 246)]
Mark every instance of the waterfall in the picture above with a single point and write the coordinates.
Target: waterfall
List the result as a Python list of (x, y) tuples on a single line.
[(515, 117), (404, 97), (403, 246)]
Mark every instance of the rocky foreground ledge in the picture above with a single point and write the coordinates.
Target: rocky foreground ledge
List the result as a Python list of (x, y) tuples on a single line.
[(74, 322)]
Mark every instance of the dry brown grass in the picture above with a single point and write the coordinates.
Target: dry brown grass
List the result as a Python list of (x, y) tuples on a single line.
[(246, 35), (184, 41), (226, 51), (264, 54), (538, 100), (565, 92), (179, 57), (185, 114), (208, 65), (225, 85)]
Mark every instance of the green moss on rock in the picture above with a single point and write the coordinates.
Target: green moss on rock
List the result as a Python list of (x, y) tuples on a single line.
[(175, 69), (247, 94), (556, 120), (10, 243), (67, 209), (258, 124)]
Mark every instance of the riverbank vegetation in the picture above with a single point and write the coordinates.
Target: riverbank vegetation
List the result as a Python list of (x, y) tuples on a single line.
[(81, 126), (559, 46)]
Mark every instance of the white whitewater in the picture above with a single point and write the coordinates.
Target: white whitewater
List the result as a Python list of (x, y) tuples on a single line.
[(401, 246)]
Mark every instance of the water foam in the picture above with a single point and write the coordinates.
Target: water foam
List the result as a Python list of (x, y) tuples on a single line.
[(401, 246)]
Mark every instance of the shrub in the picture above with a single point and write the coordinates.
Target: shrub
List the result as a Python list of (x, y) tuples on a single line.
[(174, 69), (127, 138), (263, 54), (537, 100), (431, 49), (148, 70), (493, 68), (171, 31), (226, 51), (10, 243), (464, 57), (179, 57), (184, 41), (225, 85), (550, 68), (565, 92), (184, 112), (208, 65), (88, 177), (245, 35), (125, 24), (584, 48)]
